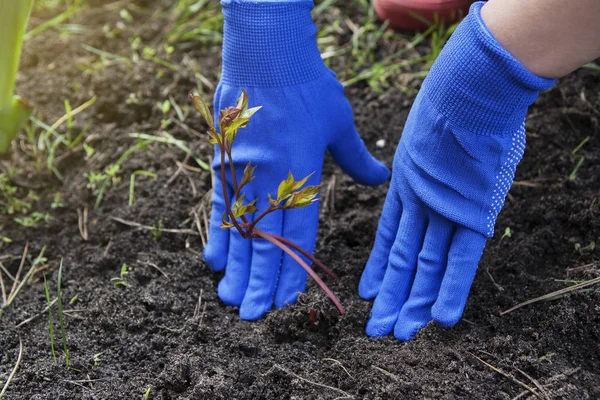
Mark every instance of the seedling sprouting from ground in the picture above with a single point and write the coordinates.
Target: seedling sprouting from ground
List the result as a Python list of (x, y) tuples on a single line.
[(291, 193), (120, 280)]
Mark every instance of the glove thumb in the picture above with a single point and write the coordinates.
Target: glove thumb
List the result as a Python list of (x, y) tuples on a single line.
[(349, 152)]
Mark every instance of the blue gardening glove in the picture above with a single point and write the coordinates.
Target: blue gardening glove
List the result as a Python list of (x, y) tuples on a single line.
[(270, 50), (453, 168)]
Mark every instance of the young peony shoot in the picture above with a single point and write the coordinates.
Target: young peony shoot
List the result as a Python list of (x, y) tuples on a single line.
[(290, 193)]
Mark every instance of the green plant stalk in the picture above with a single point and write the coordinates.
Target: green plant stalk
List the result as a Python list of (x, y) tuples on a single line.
[(14, 370), (60, 314), (50, 321), (14, 111), (132, 183)]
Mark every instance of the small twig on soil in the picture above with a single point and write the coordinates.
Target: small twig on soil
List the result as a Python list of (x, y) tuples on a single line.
[(340, 364), (179, 170), (202, 316), (187, 128), (582, 268), (554, 295), (329, 197), (156, 267), (192, 184), (525, 183), (197, 309), (16, 281), (14, 370), (189, 248), (4, 299), (506, 375), (189, 168), (152, 228), (83, 222), (28, 320), (107, 248), (3, 268), (199, 227), (500, 288), (536, 383), (80, 383), (388, 373), (277, 366)]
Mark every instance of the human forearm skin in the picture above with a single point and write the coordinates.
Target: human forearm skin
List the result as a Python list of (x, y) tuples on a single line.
[(551, 38)]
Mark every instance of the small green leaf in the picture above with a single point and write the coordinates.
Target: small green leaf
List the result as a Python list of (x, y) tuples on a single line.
[(238, 203), (203, 110), (288, 186), (242, 101), (214, 137), (249, 112), (302, 198), (232, 129), (225, 223), (284, 189), (272, 201), (247, 209), (248, 174)]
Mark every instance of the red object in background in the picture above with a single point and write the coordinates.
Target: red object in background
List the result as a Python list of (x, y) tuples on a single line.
[(398, 12)]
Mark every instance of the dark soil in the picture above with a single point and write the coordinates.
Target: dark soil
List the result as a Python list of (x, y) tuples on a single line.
[(146, 332)]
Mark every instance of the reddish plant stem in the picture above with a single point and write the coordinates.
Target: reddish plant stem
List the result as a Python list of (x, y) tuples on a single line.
[(236, 188), (261, 216), (270, 238), (312, 258), (225, 195)]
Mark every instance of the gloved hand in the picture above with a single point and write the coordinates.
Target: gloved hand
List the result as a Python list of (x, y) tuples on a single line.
[(453, 167), (270, 50)]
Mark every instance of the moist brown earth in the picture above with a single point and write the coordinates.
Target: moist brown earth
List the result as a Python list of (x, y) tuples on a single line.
[(146, 334)]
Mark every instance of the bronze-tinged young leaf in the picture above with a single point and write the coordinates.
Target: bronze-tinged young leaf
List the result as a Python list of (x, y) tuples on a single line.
[(225, 223), (272, 201), (214, 137), (249, 112), (298, 184), (247, 209), (248, 174), (232, 130), (242, 101), (238, 203), (203, 110), (285, 187), (228, 116), (288, 186), (302, 198)]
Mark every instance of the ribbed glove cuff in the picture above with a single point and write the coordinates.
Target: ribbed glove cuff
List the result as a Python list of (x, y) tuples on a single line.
[(476, 84), (269, 43)]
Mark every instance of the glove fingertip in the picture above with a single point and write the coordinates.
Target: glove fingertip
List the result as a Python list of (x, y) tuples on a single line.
[(405, 332), (367, 290), (215, 258), (376, 328), (229, 295), (252, 311), (446, 317)]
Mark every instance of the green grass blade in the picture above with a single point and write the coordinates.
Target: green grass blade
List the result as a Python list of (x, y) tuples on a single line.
[(50, 322), (60, 314)]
